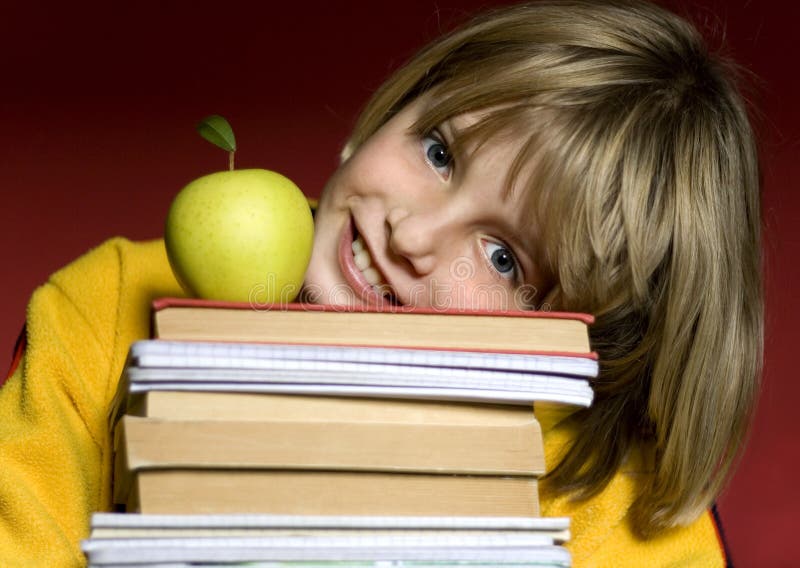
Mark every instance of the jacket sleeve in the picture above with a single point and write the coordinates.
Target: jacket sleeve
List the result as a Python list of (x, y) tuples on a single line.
[(54, 438)]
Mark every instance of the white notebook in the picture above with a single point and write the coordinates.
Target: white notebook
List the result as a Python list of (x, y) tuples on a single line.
[(488, 549), (360, 371), (161, 353), (360, 541), (354, 522)]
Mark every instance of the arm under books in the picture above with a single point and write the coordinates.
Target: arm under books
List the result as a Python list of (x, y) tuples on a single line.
[(54, 441)]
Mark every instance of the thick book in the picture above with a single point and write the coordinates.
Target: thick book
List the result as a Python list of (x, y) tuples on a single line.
[(465, 440), (309, 492), (209, 405), (394, 326), (490, 448)]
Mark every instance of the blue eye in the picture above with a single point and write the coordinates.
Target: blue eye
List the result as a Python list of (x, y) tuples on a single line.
[(502, 259), (437, 154)]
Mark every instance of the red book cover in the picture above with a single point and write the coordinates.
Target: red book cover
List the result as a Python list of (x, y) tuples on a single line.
[(163, 303)]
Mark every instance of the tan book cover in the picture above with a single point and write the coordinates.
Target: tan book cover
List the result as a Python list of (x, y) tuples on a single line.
[(331, 493), (509, 331), (480, 449), (215, 405), (234, 532)]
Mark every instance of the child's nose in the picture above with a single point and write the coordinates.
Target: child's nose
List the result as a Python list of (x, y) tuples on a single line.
[(414, 237)]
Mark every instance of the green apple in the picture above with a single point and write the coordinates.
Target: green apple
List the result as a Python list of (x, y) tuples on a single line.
[(241, 235)]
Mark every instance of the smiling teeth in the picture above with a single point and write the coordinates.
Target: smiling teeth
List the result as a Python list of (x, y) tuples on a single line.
[(363, 261)]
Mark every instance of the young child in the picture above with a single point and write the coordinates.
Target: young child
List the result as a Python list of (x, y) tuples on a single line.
[(570, 155), (593, 153)]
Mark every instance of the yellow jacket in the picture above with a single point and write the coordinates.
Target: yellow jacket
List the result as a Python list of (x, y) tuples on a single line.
[(55, 460)]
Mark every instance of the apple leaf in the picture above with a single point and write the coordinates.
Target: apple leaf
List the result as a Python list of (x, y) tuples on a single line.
[(218, 131)]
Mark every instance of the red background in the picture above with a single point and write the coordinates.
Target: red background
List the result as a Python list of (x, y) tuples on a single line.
[(97, 111)]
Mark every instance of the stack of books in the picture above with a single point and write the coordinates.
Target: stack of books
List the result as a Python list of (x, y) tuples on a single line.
[(365, 436)]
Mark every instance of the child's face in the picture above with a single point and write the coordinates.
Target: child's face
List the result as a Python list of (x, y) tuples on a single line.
[(439, 231)]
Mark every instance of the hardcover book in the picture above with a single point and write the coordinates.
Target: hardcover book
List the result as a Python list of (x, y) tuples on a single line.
[(525, 331)]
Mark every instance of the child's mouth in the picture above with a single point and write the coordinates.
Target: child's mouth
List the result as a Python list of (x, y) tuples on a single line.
[(371, 273)]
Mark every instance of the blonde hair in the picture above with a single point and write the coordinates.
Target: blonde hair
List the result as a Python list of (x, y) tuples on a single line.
[(646, 187)]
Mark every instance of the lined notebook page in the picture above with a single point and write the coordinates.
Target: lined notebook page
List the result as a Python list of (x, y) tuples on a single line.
[(489, 549), (327, 521), (317, 372), (441, 394), (160, 353)]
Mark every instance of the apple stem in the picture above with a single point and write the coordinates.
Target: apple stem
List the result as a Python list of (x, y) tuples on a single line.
[(230, 160)]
